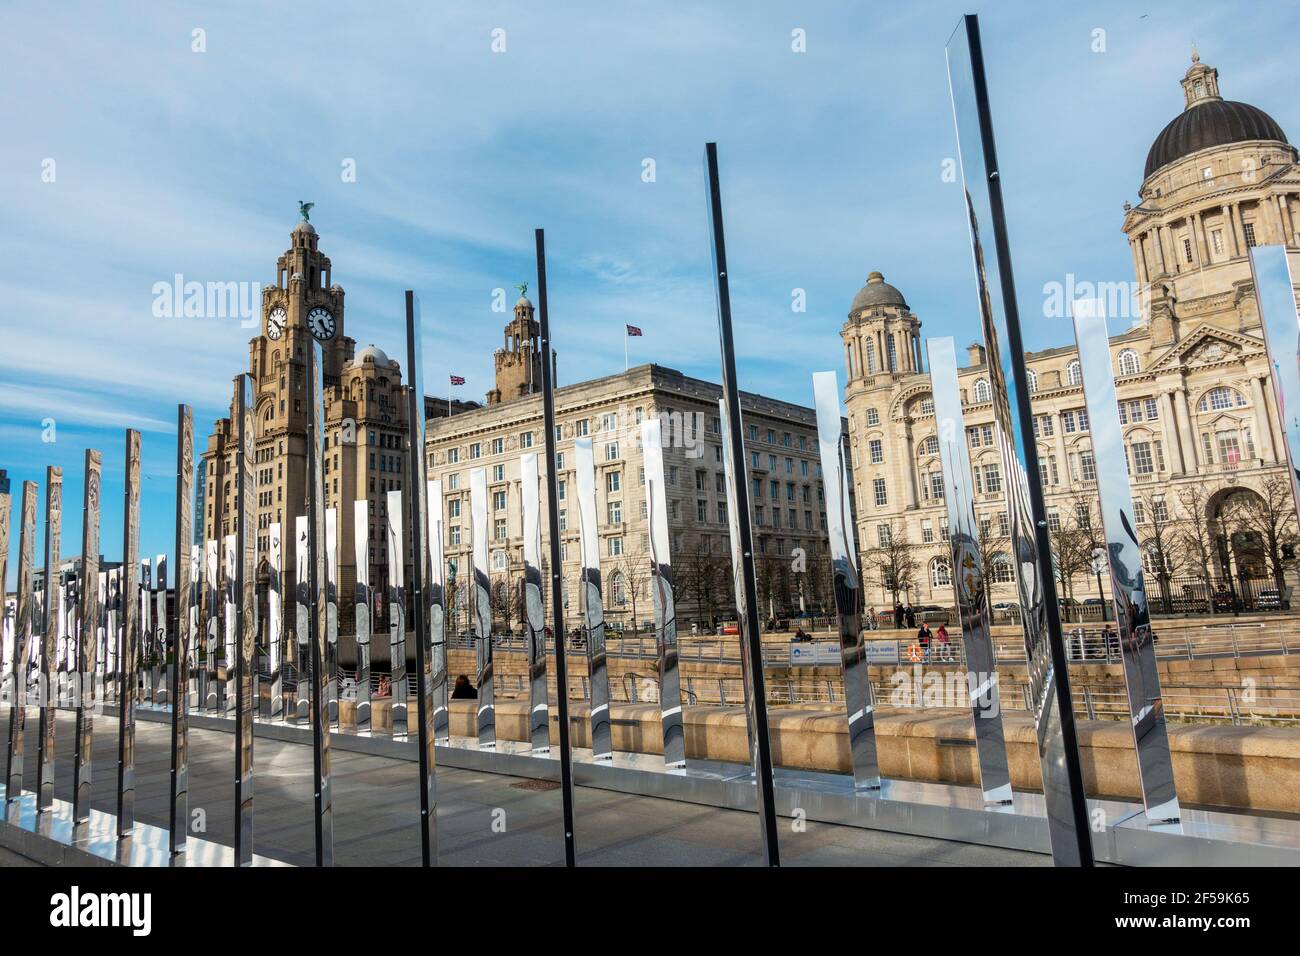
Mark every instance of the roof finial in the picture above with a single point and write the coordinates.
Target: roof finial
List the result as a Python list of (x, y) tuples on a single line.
[(304, 210), (1196, 57), (523, 289)]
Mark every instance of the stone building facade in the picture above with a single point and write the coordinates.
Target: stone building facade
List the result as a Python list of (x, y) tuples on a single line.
[(365, 420), (1200, 420), (782, 468)]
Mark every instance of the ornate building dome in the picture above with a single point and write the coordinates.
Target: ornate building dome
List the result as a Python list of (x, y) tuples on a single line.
[(1208, 120), (372, 353), (877, 292)]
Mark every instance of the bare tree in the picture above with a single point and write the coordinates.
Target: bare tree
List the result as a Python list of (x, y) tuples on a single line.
[(633, 566), (992, 548), (1162, 541), (892, 562), (707, 574), (1197, 538), (1071, 541), (1270, 515)]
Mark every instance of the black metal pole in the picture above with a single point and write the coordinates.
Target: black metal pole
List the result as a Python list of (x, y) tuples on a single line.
[(1023, 411), (421, 576), (557, 568), (751, 641)]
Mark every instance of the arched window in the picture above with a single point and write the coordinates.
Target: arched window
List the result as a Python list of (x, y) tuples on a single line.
[(871, 357), (618, 588), (873, 416), (1073, 373), (1032, 376), (930, 446), (1128, 363), (982, 391), (1002, 571), (940, 573), (1219, 398)]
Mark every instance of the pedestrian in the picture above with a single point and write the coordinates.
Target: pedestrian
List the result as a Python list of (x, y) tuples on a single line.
[(464, 690), (898, 615), (945, 645), (910, 616), (923, 639)]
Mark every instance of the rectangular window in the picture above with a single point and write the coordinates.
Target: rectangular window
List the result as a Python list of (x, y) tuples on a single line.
[(455, 534), (581, 427), (927, 531), (722, 512), (1249, 229), (499, 501), (1088, 466), (878, 489), (701, 510), (609, 421), (614, 512), (992, 479), (1216, 240), (877, 452), (475, 451), (873, 416), (498, 472), (1053, 521), (525, 439), (615, 547), (453, 456), (500, 529), (453, 508), (1142, 461), (613, 481), (1187, 249), (498, 446)]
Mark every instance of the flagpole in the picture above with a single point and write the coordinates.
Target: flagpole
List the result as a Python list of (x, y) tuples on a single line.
[(449, 396), (625, 338)]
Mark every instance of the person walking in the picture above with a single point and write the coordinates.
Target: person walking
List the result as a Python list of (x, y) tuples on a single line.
[(945, 645), (923, 639), (910, 616), (898, 615)]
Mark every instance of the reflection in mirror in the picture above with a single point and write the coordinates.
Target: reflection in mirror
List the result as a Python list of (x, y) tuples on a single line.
[(1046, 672), (1275, 291), (1124, 554), (847, 584), (602, 746), (968, 574)]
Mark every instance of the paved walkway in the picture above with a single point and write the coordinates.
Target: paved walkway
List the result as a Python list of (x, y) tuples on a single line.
[(483, 819)]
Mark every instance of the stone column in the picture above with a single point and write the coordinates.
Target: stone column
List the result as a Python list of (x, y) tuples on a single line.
[(1198, 234), (1284, 205), (1171, 431), (1263, 422), (1192, 451), (1231, 243), (909, 486), (1238, 234)]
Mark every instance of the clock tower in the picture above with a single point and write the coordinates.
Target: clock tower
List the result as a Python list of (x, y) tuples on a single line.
[(365, 422)]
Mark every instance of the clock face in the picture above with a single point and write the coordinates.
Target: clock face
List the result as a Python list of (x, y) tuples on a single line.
[(321, 324), (275, 323)]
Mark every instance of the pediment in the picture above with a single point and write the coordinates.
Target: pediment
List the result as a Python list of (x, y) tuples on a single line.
[(1207, 345)]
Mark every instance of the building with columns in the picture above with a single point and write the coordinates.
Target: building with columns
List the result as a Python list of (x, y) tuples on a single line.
[(1202, 434), (782, 468)]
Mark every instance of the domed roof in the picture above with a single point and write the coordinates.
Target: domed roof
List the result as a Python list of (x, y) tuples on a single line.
[(1208, 120), (372, 353), (523, 301), (1210, 123), (304, 226), (877, 292)]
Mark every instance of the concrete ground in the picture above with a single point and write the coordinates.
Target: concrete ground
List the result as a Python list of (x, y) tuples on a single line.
[(483, 819)]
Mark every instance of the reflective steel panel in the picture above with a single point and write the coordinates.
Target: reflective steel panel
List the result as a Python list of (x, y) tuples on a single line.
[(84, 682), (212, 572), (15, 737), (316, 451), (22, 633), (195, 595), (593, 604), (482, 605), (158, 647), (245, 616), (1128, 592), (270, 707), (184, 629), (421, 580), (396, 613), (130, 609), (361, 610), (228, 668), (332, 612), (967, 575), (742, 546), (297, 702), (661, 591), (539, 726), (1275, 292), (847, 584), (145, 617), (438, 611), (55, 619), (1047, 674)]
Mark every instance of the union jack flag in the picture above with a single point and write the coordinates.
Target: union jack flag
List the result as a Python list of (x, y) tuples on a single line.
[(457, 380), (633, 330)]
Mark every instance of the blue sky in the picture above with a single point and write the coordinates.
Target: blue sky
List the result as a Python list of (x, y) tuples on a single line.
[(172, 161)]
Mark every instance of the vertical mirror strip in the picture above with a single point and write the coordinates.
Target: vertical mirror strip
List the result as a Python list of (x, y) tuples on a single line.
[(361, 610), (84, 679), (968, 581), (593, 605), (661, 593), (129, 604), (481, 596), (53, 650), (846, 583), (396, 613), (539, 729)]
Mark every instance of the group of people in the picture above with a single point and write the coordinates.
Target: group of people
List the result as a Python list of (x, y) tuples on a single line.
[(904, 616)]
